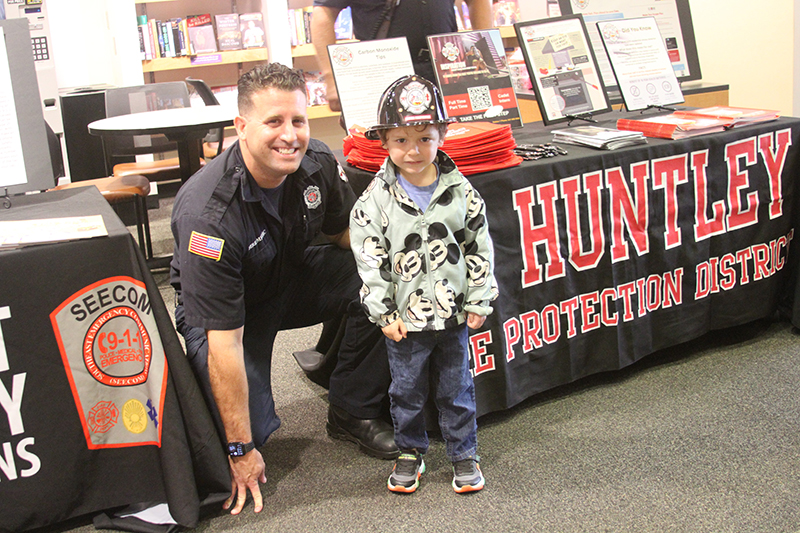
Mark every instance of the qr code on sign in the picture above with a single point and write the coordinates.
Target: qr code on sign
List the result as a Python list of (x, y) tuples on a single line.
[(479, 98)]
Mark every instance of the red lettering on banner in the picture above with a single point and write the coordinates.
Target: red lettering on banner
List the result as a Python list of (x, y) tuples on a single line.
[(727, 275), (587, 312), (590, 320), (774, 160), (743, 256), (606, 297), (597, 243), (533, 235), (673, 292), (483, 362), (703, 226), (624, 291), (761, 257), (641, 289), (531, 326), (511, 330), (668, 173), (633, 212), (551, 324), (568, 308), (742, 212), (765, 259)]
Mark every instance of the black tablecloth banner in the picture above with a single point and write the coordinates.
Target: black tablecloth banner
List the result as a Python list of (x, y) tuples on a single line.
[(604, 257), (78, 437)]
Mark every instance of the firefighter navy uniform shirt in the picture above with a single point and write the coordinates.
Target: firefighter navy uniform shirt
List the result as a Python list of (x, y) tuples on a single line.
[(232, 250)]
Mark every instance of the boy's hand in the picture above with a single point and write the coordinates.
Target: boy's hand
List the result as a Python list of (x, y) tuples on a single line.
[(475, 321), (396, 330)]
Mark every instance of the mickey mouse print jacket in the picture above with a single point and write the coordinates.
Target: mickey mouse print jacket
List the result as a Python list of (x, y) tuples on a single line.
[(427, 268)]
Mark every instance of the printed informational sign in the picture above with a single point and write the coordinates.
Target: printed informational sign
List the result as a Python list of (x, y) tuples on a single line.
[(472, 73), (640, 62), (562, 67), (363, 71), (674, 22)]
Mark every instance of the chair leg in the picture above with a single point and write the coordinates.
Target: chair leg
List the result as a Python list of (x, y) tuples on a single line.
[(143, 227)]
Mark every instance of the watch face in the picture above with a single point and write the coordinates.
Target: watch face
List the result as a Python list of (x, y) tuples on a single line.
[(237, 449)]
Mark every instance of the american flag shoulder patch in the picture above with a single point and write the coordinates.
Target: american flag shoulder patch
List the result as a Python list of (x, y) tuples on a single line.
[(206, 246)]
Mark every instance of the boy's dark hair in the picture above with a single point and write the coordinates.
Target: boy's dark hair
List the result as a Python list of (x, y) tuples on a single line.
[(441, 127), (267, 76)]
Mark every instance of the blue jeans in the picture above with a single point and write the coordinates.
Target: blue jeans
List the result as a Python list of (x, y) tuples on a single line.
[(444, 357)]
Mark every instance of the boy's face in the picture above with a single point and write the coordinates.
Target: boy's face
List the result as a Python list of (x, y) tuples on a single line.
[(413, 148)]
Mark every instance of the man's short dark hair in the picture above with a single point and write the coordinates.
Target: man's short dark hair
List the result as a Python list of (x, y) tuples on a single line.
[(267, 76)]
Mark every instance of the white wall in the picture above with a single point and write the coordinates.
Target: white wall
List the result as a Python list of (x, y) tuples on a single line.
[(95, 42), (750, 45)]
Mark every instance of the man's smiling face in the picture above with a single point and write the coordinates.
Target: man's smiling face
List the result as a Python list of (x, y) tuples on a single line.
[(274, 135)]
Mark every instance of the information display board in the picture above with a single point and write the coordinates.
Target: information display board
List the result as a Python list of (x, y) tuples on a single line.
[(641, 63), (674, 20), (563, 68)]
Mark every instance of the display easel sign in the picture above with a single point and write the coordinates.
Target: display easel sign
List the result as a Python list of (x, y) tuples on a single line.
[(563, 69), (640, 62), (473, 76), (362, 72)]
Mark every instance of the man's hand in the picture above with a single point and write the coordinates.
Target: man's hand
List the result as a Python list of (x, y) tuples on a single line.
[(246, 472), (475, 321), (396, 330)]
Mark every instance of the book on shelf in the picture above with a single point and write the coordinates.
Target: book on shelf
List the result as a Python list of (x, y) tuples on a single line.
[(674, 126), (181, 44), (201, 34), (505, 13), (597, 137), (739, 116), (152, 28), (229, 36), (145, 39), (315, 88), (252, 28), (300, 25)]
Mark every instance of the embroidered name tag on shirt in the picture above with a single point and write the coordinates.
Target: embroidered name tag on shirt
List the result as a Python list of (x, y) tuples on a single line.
[(206, 246)]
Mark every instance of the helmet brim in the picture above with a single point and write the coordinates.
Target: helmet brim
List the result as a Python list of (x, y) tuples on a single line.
[(372, 133)]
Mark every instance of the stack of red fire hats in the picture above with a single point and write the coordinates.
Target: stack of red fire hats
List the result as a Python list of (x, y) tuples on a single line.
[(474, 146)]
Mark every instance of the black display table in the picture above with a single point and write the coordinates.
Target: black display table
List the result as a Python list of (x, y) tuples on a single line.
[(102, 410), (604, 257)]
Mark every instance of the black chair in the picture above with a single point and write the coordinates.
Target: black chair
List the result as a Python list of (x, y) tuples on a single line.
[(117, 190), (120, 150), (212, 146)]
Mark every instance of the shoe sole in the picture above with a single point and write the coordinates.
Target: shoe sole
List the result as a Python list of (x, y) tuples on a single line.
[(337, 433), (400, 489), (469, 488)]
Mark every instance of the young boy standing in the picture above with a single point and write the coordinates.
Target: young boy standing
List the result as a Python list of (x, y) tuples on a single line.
[(422, 247)]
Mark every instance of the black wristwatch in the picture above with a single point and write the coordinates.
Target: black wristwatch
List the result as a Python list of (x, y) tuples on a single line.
[(238, 449)]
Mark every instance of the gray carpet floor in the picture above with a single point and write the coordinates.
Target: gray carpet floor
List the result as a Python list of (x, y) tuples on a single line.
[(699, 438)]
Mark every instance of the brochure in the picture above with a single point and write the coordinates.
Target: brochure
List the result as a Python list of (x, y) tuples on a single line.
[(473, 76), (597, 137), (674, 126), (17, 233), (740, 116)]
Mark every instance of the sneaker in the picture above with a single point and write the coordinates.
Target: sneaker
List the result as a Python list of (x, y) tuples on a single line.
[(467, 475), (406, 472)]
